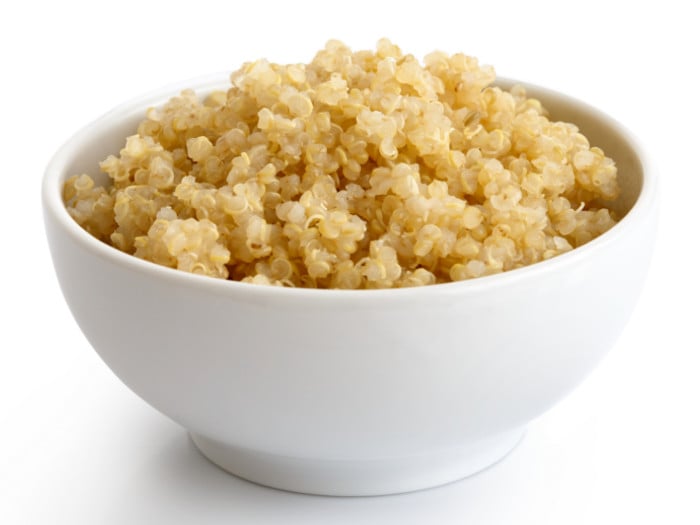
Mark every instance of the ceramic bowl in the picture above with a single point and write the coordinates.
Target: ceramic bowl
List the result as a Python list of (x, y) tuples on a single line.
[(354, 392)]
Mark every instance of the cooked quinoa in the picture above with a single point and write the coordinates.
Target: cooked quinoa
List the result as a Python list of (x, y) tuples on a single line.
[(361, 169)]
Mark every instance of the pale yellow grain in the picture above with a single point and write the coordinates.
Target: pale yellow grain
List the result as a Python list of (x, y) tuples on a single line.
[(360, 169)]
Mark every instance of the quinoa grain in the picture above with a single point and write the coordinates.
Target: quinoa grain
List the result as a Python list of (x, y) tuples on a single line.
[(357, 170)]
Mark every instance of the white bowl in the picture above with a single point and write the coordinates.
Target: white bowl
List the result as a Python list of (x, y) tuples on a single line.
[(354, 392)]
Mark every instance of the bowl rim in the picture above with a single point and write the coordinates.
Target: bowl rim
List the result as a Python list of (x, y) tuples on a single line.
[(55, 210)]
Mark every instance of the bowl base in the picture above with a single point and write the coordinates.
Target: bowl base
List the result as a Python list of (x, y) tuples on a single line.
[(358, 478)]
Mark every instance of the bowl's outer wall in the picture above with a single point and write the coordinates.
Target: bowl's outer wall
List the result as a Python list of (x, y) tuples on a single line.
[(353, 375)]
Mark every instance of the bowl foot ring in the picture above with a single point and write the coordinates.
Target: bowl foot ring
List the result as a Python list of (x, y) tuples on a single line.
[(358, 477)]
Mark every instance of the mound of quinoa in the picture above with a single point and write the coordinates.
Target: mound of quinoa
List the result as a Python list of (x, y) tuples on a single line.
[(364, 169)]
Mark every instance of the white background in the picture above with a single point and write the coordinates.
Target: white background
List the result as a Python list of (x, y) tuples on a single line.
[(77, 447)]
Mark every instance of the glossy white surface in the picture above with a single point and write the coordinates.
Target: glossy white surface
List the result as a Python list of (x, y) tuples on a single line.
[(77, 447), (354, 392), (342, 477)]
